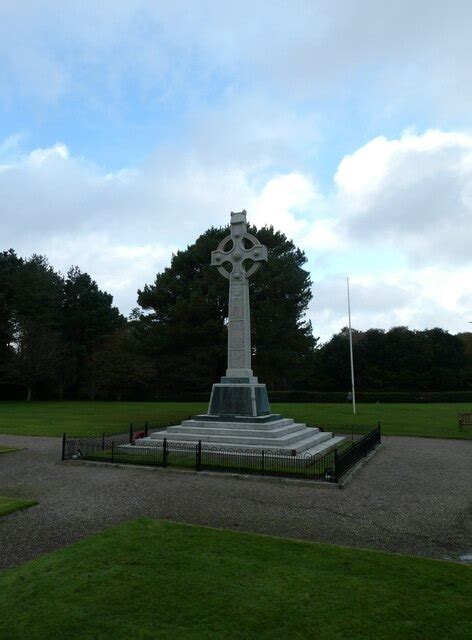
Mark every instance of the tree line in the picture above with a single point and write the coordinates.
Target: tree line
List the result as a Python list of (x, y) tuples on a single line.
[(399, 359), (62, 338)]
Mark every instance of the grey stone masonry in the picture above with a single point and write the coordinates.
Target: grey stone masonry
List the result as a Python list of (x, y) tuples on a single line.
[(232, 399), (237, 257), (280, 434)]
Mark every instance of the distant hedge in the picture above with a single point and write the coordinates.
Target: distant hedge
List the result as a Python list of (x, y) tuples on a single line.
[(371, 396), (341, 396)]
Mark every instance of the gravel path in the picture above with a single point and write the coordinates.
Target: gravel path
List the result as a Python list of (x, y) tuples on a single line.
[(414, 497)]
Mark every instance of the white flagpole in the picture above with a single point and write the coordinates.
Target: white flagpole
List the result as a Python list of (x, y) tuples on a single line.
[(350, 348)]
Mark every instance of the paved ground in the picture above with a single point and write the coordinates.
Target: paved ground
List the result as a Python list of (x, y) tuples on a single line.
[(414, 496)]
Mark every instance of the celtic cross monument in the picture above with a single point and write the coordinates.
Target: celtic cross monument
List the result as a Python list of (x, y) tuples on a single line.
[(244, 254), (238, 257), (238, 415)]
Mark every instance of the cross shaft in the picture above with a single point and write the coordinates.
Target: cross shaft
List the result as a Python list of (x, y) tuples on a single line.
[(239, 322)]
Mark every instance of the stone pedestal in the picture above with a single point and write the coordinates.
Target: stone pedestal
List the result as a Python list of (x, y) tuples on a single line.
[(238, 397)]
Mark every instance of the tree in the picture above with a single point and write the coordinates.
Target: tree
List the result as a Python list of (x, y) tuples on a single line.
[(49, 325), (34, 302), (332, 362), (396, 360), (37, 356), (88, 319), (186, 329), (466, 374), (9, 266), (120, 368)]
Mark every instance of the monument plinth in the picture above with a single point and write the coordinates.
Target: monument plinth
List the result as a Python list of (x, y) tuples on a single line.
[(239, 413)]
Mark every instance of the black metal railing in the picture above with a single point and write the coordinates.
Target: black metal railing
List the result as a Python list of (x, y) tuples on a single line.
[(133, 432), (120, 448), (345, 460)]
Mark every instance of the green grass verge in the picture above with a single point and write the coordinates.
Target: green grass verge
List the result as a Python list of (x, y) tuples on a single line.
[(403, 419), (8, 449), (89, 418), (149, 579), (9, 505)]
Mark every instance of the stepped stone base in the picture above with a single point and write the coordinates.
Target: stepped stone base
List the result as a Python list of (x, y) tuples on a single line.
[(269, 433), (239, 418)]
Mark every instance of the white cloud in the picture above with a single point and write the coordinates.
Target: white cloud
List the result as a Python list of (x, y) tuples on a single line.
[(40, 156), (292, 203), (421, 299), (122, 227), (256, 82), (120, 266), (281, 199), (410, 196), (296, 50), (414, 193)]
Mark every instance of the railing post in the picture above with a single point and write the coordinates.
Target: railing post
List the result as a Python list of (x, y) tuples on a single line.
[(103, 441), (63, 446), (146, 428), (263, 462), (335, 462), (199, 455), (164, 453), (131, 433), (112, 451), (378, 427)]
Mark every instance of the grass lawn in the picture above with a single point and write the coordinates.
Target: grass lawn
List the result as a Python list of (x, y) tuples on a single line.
[(401, 419), (9, 505), (89, 418), (151, 579), (8, 449)]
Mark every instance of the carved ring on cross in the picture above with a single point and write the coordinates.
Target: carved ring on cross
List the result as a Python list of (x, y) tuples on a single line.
[(238, 254)]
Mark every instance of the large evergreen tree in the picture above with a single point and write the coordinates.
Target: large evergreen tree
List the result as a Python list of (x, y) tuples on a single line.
[(50, 326), (399, 359), (120, 368), (31, 321), (88, 320), (10, 264), (186, 328)]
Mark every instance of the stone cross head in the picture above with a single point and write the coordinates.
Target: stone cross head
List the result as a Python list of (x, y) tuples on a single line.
[(240, 250)]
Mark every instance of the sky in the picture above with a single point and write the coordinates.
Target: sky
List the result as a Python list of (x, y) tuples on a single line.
[(128, 127)]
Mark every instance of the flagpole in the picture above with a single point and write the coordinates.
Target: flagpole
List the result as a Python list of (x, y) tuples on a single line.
[(350, 349)]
